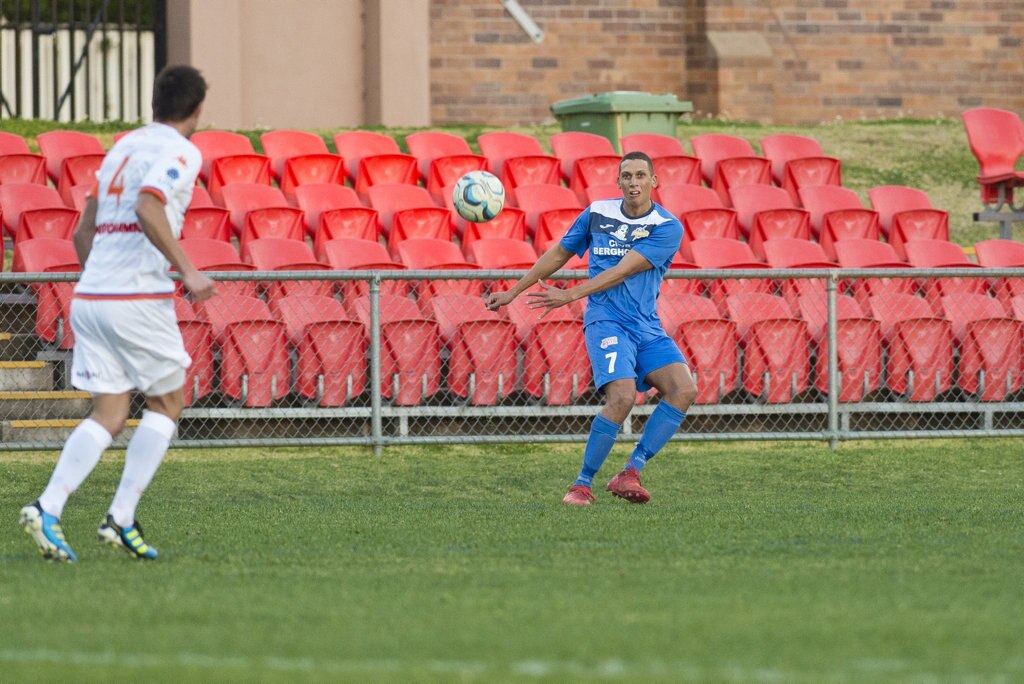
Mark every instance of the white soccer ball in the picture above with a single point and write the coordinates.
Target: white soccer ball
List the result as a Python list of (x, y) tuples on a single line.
[(478, 196)]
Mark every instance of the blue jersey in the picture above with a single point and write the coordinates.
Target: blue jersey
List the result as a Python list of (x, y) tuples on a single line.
[(609, 235)]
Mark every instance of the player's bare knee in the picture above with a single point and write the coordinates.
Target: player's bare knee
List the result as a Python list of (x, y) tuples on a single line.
[(619, 402)]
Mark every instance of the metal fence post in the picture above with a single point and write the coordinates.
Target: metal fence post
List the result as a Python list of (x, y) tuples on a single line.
[(375, 398), (834, 385)]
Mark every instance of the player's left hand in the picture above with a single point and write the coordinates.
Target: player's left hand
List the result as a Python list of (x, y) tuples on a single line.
[(548, 298), (200, 285)]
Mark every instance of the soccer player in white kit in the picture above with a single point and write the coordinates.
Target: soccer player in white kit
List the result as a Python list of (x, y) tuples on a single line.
[(122, 314)]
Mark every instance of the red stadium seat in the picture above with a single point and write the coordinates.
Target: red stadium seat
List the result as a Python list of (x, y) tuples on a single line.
[(77, 171), (812, 309), (523, 171), (1002, 254), (907, 214), (679, 170), (996, 138), (510, 224), (229, 158), (352, 254), (260, 211), (766, 213), (17, 163), (652, 144), (215, 144), (837, 214), (707, 340), (334, 211), (942, 254), (777, 362), (79, 195), (353, 146), (53, 299), (859, 253), (536, 199), (595, 193), (212, 223), (920, 346), (859, 351), (200, 198), (502, 145), (702, 214), (12, 143), (254, 364), (430, 254), (571, 146), (277, 254), (299, 158), (198, 341), (502, 254), (385, 169), (552, 226), (443, 158), (588, 172), (556, 368), (282, 145), (410, 349), (799, 162), (218, 255), (728, 161), (35, 211), (57, 146), (796, 253), (318, 329), (991, 346), (408, 211), (482, 364), (445, 172), (729, 254)]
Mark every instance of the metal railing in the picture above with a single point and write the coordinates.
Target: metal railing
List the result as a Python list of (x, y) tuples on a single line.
[(947, 372)]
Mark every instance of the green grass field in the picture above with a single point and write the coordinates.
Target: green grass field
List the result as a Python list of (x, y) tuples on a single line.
[(753, 562)]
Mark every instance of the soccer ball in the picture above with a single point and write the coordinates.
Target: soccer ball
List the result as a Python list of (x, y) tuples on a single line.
[(478, 196)]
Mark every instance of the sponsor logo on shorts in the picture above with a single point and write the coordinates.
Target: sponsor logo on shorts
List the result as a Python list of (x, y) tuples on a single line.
[(86, 374), (609, 341)]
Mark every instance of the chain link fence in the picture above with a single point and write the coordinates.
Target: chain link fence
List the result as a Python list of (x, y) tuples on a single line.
[(390, 357)]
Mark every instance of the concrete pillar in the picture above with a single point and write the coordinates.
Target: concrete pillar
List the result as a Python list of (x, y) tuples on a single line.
[(397, 62)]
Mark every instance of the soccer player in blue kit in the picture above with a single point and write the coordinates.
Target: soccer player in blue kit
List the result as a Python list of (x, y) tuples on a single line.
[(631, 241)]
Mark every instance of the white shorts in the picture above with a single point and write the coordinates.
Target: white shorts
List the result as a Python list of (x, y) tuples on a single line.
[(125, 344)]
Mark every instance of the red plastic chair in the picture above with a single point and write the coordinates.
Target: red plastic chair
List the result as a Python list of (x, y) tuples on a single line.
[(77, 171), (57, 146), (217, 255), (443, 159), (299, 158), (672, 171), (728, 161), (502, 254), (726, 253), (410, 350), (522, 171), (200, 198), (483, 361), (707, 340), (654, 145), (777, 361), (552, 226), (1002, 254), (799, 162), (277, 254), (536, 199), (385, 169), (837, 214), (215, 144), (859, 253), (766, 213), (409, 211), (797, 253), (353, 146), (596, 193), (907, 214), (590, 172), (198, 340), (318, 329), (212, 223), (920, 346), (423, 254), (12, 143), (351, 254), (502, 145), (334, 211), (18, 164), (571, 146), (53, 300), (941, 254), (702, 214), (996, 138), (34, 211), (991, 346), (556, 368), (229, 158), (254, 365), (259, 211)]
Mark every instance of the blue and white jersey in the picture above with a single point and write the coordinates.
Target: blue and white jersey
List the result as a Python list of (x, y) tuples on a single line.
[(609, 234)]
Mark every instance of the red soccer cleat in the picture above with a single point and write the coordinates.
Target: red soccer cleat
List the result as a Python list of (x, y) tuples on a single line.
[(578, 495), (626, 485)]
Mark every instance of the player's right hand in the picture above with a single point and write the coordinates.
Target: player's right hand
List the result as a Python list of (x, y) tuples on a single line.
[(200, 285), (496, 300)]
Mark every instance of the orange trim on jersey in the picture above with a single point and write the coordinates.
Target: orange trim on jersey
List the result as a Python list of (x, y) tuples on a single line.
[(156, 295), (155, 192)]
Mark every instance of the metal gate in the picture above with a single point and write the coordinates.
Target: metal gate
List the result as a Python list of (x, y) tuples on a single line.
[(80, 60)]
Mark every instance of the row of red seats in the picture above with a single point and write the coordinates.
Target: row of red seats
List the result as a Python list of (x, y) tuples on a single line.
[(766, 347)]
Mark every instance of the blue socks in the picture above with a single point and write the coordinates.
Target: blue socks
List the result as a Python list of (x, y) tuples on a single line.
[(602, 438), (662, 424)]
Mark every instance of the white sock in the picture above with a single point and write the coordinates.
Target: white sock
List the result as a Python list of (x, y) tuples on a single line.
[(146, 450), (81, 453)]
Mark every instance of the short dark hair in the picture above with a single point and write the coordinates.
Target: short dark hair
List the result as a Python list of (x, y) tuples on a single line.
[(637, 155), (178, 90)]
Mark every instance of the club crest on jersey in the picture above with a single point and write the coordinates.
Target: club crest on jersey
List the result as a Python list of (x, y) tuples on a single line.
[(609, 341), (639, 232), (173, 174), (620, 232)]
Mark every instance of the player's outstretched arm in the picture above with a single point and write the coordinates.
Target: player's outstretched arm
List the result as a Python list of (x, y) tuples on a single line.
[(153, 222), (552, 297), (85, 231), (549, 262)]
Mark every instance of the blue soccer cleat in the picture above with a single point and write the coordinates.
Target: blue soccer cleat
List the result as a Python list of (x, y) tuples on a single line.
[(128, 538), (47, 533)]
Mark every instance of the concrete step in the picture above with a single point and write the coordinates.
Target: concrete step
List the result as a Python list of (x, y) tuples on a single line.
[(40, 405), (25, 375), (51, 431), (19, 346)]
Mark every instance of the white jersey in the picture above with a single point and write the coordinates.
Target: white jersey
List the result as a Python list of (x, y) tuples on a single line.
[(123, 263)]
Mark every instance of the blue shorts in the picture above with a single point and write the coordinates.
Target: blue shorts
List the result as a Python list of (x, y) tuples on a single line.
[(618, 352)]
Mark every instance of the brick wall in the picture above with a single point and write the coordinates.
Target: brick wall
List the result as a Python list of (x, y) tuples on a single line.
[(783, 62)]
